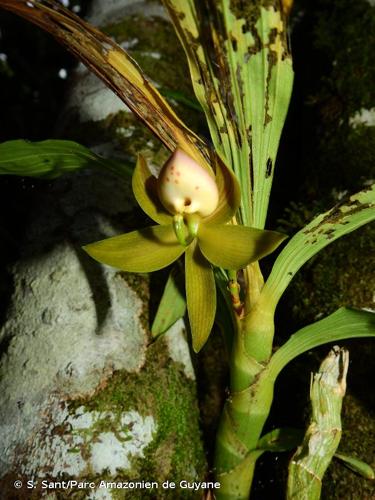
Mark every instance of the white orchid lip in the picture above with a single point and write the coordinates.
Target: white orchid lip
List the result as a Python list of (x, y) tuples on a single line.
[(184, 187)]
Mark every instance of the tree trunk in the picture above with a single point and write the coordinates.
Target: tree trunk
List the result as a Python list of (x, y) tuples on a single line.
[(84, 394)]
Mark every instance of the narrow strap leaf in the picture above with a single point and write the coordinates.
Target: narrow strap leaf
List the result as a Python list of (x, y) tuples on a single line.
[(185, 18), (144, 189), (242, 76), (141, 251), (200, 295), (172, 305), (116, 68), (342, 219), (342, 324), (234, 247), (52, 158), (362, 468)]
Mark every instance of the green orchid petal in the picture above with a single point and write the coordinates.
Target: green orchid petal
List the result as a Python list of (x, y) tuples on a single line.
[(145, 192), (200, 295), (140, 251), (234, 247), (229, 194)]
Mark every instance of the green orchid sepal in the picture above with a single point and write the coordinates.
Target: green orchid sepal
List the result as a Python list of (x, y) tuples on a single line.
[(204, 241)]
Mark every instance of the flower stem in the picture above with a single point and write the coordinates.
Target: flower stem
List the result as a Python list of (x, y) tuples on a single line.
[(234, 290)]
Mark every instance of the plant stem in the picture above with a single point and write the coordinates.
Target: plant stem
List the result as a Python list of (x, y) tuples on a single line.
[(322, 438), (243, 418), (251, 393)]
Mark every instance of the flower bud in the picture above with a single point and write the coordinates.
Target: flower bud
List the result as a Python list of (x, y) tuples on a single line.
[(186, 187)]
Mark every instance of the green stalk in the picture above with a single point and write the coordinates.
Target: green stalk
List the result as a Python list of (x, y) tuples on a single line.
[(251, 394), (241, 425)]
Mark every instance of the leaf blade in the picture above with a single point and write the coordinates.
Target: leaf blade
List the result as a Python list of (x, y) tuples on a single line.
[(342, 324), (116, 68), (245, 92), (141, 251), (52, 158), (358, 210), (172, 306), (362, 468)]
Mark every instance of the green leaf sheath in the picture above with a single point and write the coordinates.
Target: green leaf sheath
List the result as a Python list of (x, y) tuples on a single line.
[(172, 305), (141, 251), (233, 247), (245, 94), (234, 485), (145, 192), (200, 295), (241, 424), (342, 219), (342, 324), (311, 460), (52, 158)]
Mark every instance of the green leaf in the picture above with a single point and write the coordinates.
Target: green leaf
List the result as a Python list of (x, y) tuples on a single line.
[(184, 17), (268, 79), (282, 439), (358, 210), (144, 189), (357, 465), (51, 158), (116, 68), (172, 305), (141, 251), (242, 76), (200, 295), (342, 324), (234, 247)]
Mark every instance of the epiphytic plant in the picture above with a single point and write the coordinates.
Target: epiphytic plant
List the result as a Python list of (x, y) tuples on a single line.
[(199, 210), (242, 75)]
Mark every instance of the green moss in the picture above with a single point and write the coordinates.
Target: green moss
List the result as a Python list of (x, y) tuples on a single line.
[(343, 33), (334, 50), (161, 390), (342, 274)]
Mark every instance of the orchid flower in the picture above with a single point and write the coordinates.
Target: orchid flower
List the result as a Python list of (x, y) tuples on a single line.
[(192, 207)]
